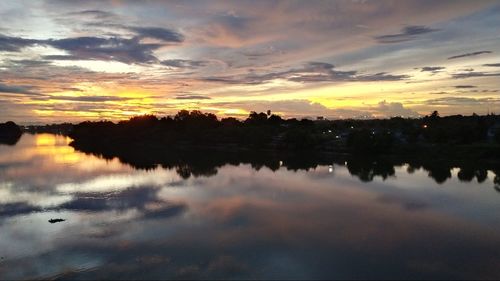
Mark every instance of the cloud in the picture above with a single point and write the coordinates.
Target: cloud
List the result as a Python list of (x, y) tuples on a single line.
[(432, 69), (300, 108), (310, 72), (315, 72), (107, 49), (15, 44), (18, 208), (126, 50), (289, 108), (471, 74), (439, 93), (259, 52), (27, 63), (159, 33), (469, 55), (61, 57), (71, 89), (492, 64), (24, 90), (246, 44), (191, 97), (93, 13), (133, 197), (462, 101), (138, 198), (407, 33), (390, 109), (178, 63), (465, 86), (89, 98), (381, 76)]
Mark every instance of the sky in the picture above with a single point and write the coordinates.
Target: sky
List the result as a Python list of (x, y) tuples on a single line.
[(69, 61)]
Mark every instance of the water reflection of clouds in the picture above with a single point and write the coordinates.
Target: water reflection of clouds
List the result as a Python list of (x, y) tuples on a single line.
[(116, 181), (240, 223), (9, 194)]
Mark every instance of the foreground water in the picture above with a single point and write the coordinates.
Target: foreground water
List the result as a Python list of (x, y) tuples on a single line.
[(237, 220)]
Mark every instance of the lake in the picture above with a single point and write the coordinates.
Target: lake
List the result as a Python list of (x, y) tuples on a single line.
[(111, 218)]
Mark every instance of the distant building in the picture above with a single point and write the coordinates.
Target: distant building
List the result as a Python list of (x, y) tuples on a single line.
[(320, 118)]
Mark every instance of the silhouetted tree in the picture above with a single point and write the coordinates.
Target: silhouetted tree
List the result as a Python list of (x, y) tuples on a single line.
[(256, 118), (10, 133)]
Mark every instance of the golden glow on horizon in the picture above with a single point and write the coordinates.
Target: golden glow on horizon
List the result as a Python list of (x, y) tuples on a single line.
[(122, 102)]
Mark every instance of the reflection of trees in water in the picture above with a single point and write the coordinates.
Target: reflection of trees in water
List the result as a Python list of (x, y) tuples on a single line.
[(10, 133), (205, 162), (9, 139), (468, 173), (496, 180), (439, 173), (185, 171), (367, 169), (481, 175)]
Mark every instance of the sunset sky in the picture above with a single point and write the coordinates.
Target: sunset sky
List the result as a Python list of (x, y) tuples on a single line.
[(88, 60)]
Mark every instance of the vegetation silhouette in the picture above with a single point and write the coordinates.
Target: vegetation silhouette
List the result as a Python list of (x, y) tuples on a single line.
[(10, 133), (203, 162), (58, 129), (474, 135), (197, 144)]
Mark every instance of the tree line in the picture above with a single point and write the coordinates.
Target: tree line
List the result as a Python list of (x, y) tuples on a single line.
[(270, 131)]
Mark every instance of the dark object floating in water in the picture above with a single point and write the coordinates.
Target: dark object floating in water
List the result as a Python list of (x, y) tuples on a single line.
[(55, 220)]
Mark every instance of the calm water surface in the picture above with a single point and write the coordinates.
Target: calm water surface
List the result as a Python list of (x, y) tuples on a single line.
[(237, 221)]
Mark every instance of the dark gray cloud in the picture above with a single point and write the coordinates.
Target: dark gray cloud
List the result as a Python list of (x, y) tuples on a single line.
[(60, 57), (126, 50), (311, 72), (159, 33), (461, 101), (407, 33), (471, 74), (492, 64), (27, 63), (381, 76), (465, 86), (108, 49), (19, 208), (72, 89), (469, 55), (317, 72), (432, 69), (178, 63), (15, 44), (93, 13), (191, 97), (24, 90)]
